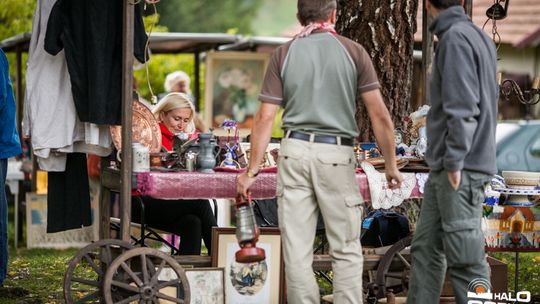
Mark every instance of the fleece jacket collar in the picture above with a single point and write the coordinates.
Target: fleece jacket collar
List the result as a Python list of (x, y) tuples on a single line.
[(447, 18)]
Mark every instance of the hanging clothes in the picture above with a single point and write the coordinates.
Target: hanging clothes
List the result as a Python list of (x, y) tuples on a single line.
[(90, 32), (68, 199), (50, 118)]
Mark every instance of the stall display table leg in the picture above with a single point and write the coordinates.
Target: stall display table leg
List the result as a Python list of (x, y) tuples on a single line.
[(13, 185)]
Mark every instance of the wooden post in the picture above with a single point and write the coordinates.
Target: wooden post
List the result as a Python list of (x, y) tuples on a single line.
[(427, 53), (127, 101), (468, 7), (197, 84)]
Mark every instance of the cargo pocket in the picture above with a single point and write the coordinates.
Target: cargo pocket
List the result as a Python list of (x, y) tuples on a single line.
[(477, 187), (336, 171), (463, 243), (354, 214)]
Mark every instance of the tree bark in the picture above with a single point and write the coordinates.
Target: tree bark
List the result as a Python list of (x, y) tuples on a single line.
[(385, 28)]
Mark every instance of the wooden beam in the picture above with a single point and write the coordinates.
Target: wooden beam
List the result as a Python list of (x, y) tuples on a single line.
[(427, 53), (127, 101), (468, 7)]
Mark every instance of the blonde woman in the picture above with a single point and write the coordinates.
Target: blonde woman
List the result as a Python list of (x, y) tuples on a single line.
[(190, 219), (175, 115), (179, 82)]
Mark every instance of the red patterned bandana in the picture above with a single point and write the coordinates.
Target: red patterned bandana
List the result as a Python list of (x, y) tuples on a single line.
[(308, 29)]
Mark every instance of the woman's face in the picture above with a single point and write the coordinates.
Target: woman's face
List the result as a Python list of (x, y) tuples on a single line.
[(176, 120)]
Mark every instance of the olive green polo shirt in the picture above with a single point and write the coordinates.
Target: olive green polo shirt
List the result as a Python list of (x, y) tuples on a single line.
[(317, 79)]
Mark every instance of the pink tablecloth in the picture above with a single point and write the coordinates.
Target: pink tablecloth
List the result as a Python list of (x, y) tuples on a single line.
[(189, 185)]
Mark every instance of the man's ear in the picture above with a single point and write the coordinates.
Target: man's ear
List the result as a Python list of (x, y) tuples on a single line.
[(333, 16)]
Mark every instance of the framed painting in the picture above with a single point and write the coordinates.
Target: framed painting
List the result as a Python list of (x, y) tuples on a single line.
[(260, 283), (233, 82), (270, 156), (206, 285)]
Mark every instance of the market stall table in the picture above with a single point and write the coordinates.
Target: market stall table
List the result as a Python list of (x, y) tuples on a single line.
[(195, 185)]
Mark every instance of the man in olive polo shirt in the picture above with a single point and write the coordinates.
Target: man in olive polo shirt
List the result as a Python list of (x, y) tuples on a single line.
[(316, 78)]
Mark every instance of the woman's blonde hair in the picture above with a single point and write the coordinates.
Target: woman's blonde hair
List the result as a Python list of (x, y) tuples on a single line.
[(173, 101)]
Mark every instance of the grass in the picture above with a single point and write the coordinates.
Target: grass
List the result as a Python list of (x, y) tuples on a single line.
[(37, 274)]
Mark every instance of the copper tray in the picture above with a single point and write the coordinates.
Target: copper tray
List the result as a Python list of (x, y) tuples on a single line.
[(145, 129)]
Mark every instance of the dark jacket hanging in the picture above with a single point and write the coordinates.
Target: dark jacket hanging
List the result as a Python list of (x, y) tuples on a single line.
[(90, 32)]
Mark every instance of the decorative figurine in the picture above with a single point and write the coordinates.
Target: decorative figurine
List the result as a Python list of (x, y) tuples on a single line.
[(401, 148)]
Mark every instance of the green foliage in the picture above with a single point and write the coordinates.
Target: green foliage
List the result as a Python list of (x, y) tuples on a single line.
[(208, 15), (158, 68), (275, 17), (529, 271), (161, 65), (16, 17)]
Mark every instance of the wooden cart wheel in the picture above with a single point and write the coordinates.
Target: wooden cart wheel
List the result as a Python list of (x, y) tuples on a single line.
[(142, 275), (85, 272), (387, 269)]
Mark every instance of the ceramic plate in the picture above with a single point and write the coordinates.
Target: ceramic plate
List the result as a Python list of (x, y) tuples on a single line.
[(145, 129), (519, 191)]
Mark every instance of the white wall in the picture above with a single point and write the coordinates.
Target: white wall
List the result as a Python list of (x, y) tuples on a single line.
[(523, 61)]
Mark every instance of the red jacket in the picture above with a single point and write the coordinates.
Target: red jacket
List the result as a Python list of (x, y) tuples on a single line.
[(167, 137)]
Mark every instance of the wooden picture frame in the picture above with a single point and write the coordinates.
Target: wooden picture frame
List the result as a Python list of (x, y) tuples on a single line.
[(232, 85), (268, 160), (261, 283), (206, 285)]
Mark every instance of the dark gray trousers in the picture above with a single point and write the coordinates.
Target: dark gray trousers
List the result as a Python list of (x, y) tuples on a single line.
[(448, 237)]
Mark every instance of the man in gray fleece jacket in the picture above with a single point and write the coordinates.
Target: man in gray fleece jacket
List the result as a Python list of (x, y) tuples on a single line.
[(461, 154)]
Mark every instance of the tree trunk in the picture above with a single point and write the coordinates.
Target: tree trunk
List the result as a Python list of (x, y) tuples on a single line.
[(386, 30)]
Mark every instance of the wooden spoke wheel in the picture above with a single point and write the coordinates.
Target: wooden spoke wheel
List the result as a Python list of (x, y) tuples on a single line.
[(393, 270), (145, 275), (85, 272)]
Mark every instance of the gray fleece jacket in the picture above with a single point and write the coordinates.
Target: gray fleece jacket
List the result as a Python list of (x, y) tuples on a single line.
[(464, 93)]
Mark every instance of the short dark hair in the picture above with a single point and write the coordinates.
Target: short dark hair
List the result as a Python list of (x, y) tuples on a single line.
[(444, 4), (315, 10)]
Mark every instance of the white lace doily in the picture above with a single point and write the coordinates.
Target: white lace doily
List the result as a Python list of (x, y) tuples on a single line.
[(381, 195), (422, 179)]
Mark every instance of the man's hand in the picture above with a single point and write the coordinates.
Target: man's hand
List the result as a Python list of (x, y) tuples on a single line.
[(454, 177), (244, 183), (393, 177)]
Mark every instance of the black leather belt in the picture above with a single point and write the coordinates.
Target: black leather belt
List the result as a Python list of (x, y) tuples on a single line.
[(323, 139)]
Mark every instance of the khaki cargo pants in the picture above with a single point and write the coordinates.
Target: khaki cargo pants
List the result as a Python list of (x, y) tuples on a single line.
[(448, 237), (313, 177)]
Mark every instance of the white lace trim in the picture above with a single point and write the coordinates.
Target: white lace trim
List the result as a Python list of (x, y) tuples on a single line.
[(381, 195)]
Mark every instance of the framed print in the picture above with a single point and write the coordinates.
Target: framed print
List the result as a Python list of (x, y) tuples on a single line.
[(252, 283), (206, 285), (270, 156), (233, 82)]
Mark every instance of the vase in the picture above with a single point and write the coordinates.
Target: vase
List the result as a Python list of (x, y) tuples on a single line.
[(206, 160)]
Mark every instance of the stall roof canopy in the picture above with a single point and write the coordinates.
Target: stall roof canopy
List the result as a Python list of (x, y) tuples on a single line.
[(520, 28), (189, 42), (254, 42), (20, 42), (162, 43)]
